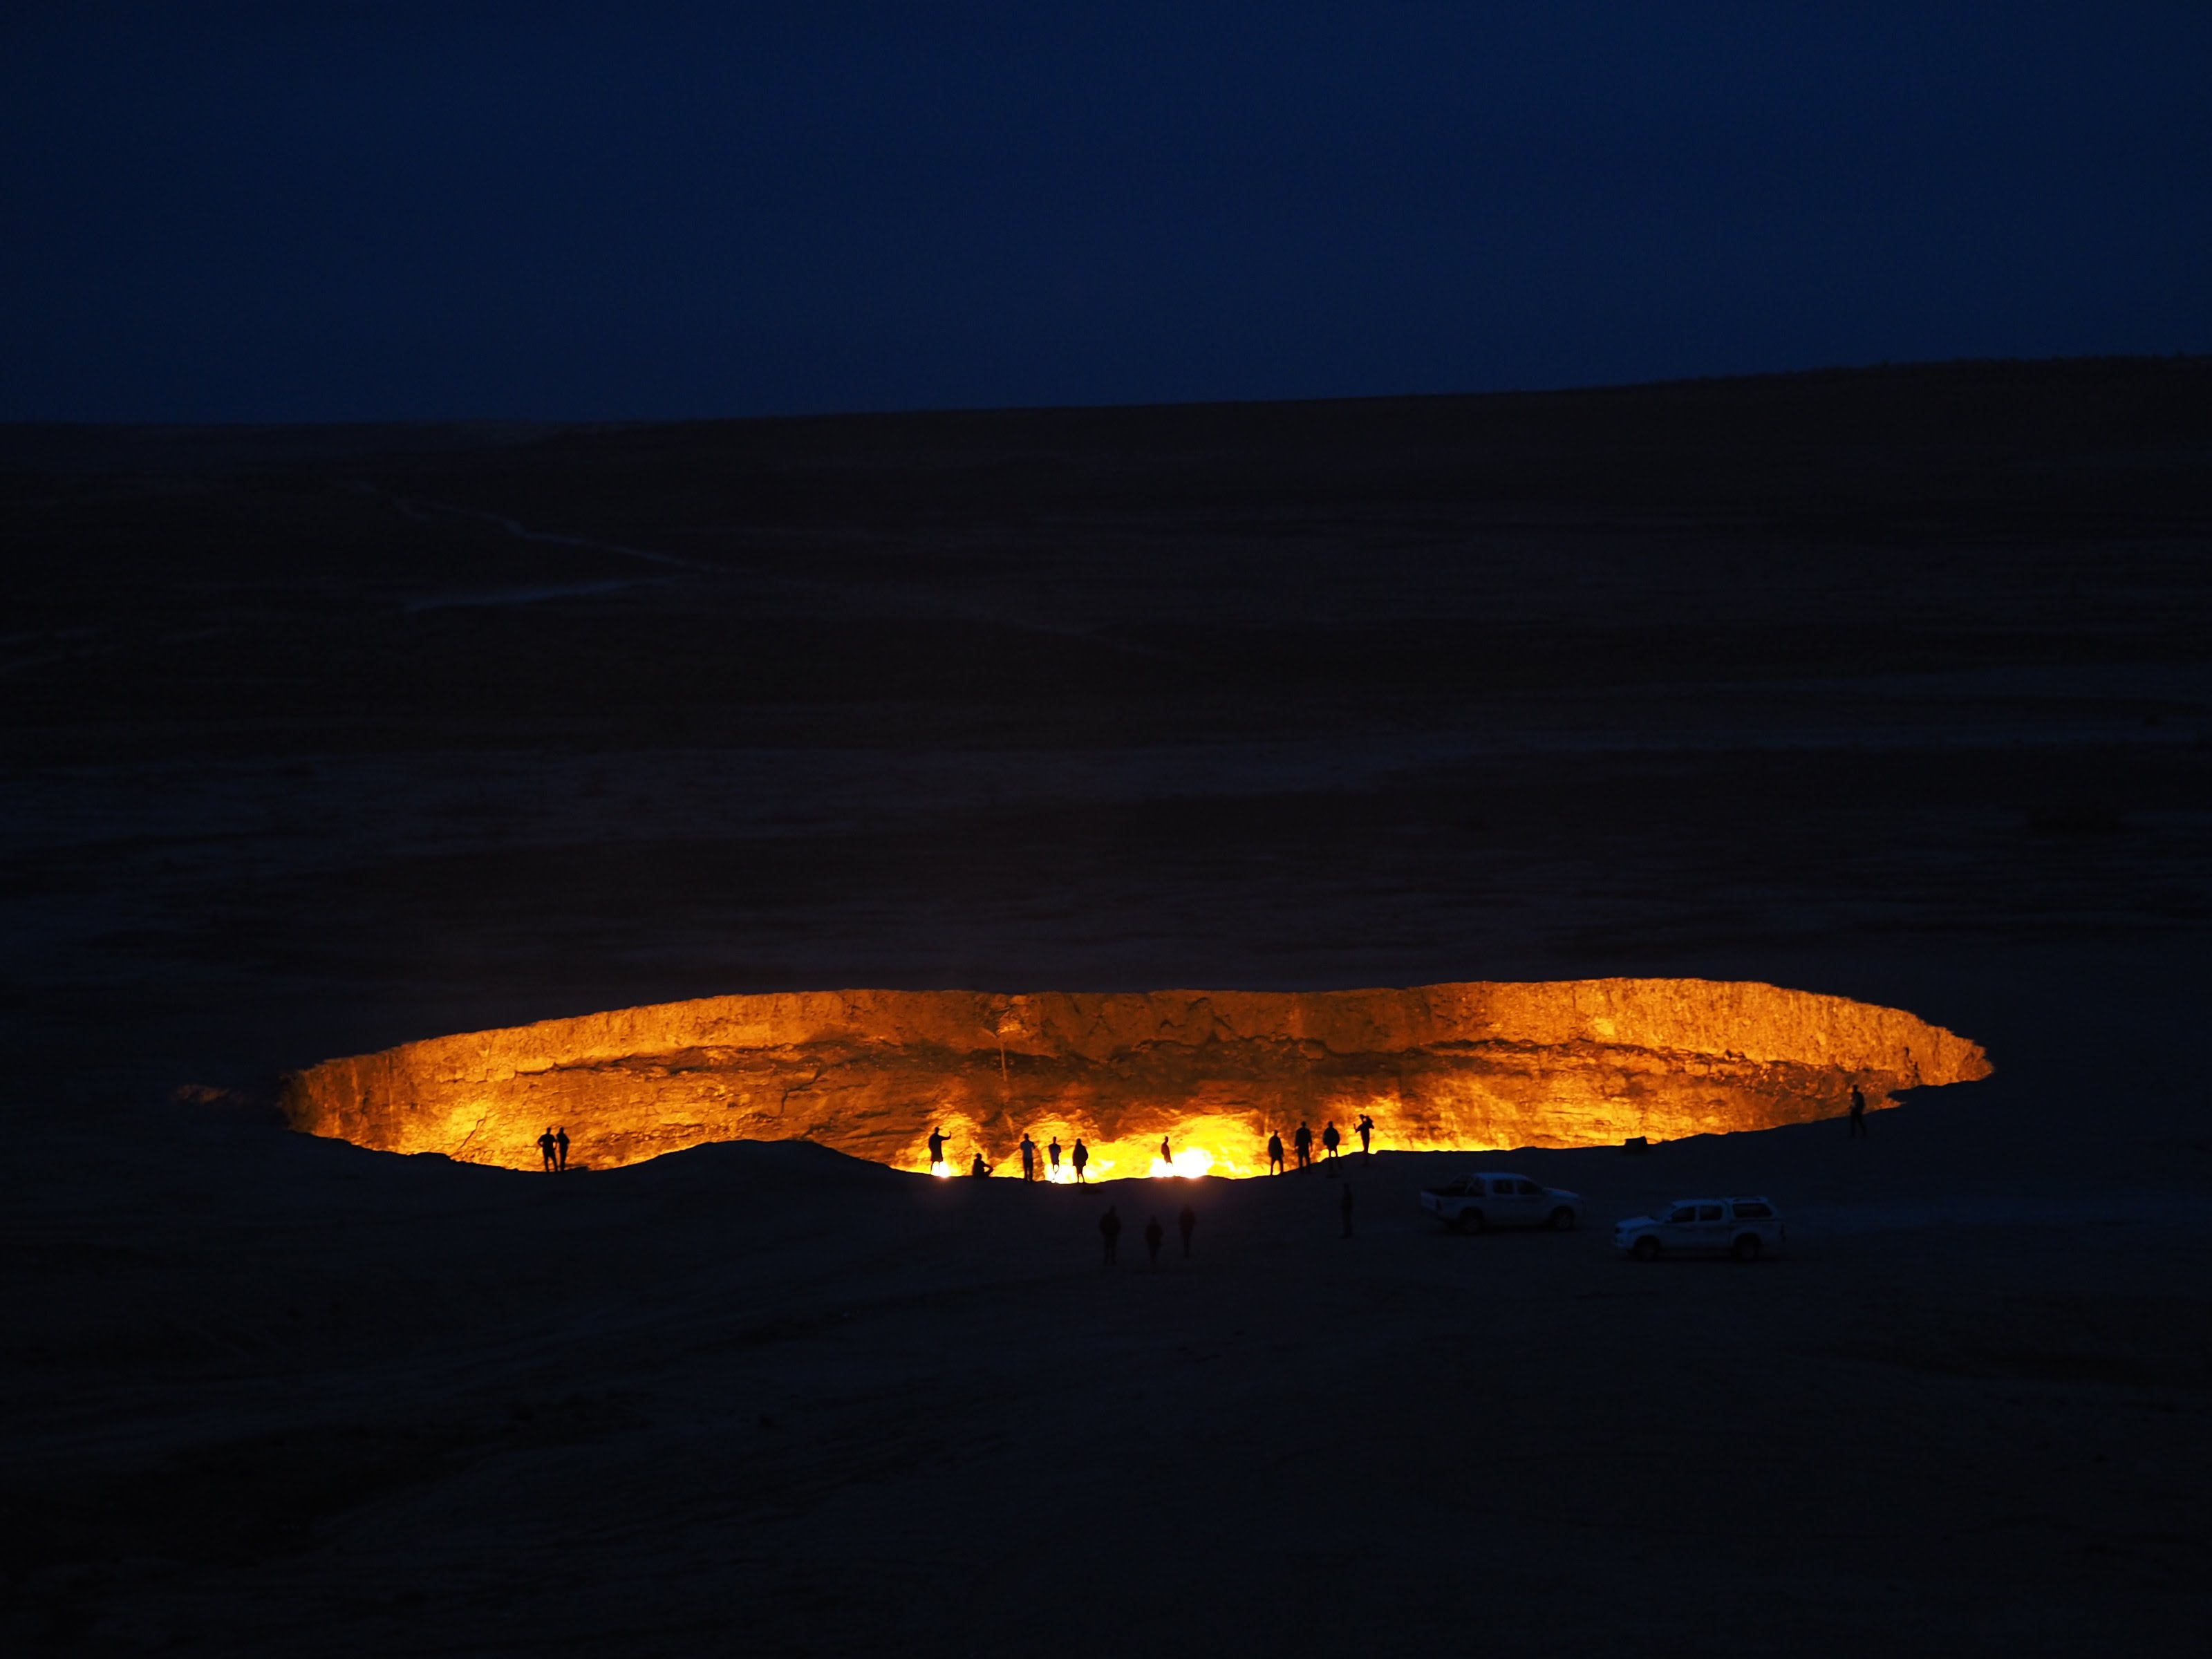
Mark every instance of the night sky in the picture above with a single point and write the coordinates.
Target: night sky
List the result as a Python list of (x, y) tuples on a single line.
[(312, 211)]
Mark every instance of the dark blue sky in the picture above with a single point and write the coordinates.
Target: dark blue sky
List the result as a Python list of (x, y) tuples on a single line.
[(331, 211)]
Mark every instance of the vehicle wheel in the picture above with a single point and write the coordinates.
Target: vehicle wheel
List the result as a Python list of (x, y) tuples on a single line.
[(1470, 1221), (1747, 1249), (1646, 1249), (1563, 1221)]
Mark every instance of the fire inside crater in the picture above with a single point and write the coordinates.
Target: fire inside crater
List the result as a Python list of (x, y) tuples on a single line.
[(1470, 1065)]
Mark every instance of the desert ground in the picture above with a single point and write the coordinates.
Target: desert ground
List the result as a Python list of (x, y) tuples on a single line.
[(1894, 684)]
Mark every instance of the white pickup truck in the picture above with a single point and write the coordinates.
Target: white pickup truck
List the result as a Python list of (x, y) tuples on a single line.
[(1745, 1228), (1499, 1200)]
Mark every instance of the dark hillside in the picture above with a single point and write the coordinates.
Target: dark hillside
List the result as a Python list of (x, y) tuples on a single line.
[(420, 729)]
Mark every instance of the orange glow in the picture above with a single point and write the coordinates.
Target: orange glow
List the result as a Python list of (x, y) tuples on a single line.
[(1188, 1164), (1464, 1067)]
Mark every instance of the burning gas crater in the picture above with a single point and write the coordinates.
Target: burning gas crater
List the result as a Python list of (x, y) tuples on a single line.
[(1562, 1063)]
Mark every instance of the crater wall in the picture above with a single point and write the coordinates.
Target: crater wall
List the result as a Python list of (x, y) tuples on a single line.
[(1557, 1063)]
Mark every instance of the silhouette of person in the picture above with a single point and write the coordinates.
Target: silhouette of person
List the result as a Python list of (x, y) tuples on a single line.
[(1152, 1236), (1330, 1139), (548, 1145), (981, 1169), (1078, 1157), (1303, 1141), (1344, 1208), (1109, 1230), (1167, 1157), (1858, 1112), (1274, 1154), (1186, 1221), (561, 1146), (936, 1148), (1366, 1128), (1053, 1152), (1028, 1156)]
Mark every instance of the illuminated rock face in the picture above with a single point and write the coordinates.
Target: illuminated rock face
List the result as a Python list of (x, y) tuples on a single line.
[(1565, 1063)]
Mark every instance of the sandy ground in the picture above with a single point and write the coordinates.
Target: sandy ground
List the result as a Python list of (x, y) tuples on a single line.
[(1891, 686), (268, 1395)]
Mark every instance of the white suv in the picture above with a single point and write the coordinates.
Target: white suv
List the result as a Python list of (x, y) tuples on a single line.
[(1476, 1201), (1745, 1228)]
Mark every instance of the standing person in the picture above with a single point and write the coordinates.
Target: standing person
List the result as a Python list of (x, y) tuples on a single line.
[(1167, 1155), (1274, 1154), (1078, 1157), (1330, 1140), (1859, 1113), (1152, 1236), (547, 1146), (1186, 1221), (561, 1146), (1367, 1127), (1028, 1156), (1344, 1208), (936, 1151), (1109, 1229), (1303, 1141), (1053, 1152)]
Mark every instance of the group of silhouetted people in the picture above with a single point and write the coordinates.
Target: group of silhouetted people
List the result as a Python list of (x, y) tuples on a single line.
[(554, 1143), (1109, 1234), (1330, 1140), (1078, 1159), (1109, 1230), (1109, 1225)]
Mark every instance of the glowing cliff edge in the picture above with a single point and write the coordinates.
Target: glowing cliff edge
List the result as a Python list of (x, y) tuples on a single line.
[(1563, 1063)]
